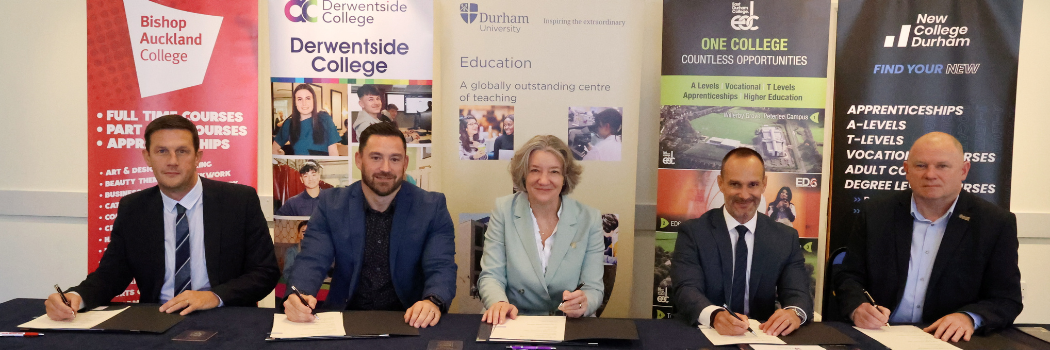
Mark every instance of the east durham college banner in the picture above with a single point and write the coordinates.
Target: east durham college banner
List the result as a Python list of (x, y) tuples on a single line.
[(323, 55), (512, 70), (740, 74), (906, 68), (147, 59)]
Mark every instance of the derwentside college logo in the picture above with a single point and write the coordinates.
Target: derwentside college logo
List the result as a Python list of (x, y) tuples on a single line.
[(469, 12), (296, 10)]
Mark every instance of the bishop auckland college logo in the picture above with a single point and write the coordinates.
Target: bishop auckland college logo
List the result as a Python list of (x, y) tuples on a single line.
[(469, 12)]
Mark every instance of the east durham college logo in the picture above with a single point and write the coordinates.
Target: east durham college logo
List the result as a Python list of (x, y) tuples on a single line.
[(297, 10), (745, 18), (469, 12)]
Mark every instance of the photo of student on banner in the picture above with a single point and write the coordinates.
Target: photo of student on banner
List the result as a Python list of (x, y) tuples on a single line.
[(309, 128), (792, 199), (409, 107), (288, 235), (481, 128), (596, 133), (297, 182)]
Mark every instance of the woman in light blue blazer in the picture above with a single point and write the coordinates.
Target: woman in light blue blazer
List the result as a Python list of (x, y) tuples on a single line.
[(543, 250)]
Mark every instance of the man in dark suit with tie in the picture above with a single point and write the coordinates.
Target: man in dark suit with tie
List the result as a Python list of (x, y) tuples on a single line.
[(739, 257), (934, 253), (393, 243), (189, 242)]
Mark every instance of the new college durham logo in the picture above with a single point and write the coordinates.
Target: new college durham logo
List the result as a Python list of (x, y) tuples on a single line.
[(296, 10), (469, 12), (745, 18), (929, 31)]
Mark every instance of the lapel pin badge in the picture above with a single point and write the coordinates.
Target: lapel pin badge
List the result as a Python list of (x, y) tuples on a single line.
[(964, 217), (573, 245)]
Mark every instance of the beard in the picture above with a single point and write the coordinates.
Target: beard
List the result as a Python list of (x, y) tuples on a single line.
[(369, 180)]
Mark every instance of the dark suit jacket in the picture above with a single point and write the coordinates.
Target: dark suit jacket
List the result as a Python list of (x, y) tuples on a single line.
[(242, 268), (975, 269), (702, 268), (422, 246)]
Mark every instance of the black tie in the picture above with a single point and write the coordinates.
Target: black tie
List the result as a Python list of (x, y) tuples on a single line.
[(739, 272)]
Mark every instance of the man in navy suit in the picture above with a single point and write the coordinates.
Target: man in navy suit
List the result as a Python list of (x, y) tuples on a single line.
[(735, 256), (393, 243)]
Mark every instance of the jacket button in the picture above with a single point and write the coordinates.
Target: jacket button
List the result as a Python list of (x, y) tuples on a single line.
[(521, 291)]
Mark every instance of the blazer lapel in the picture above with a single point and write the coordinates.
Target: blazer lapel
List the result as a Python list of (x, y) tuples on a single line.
[(526, 233), (155, 239), (760, 253), (402, 218), (954, 234), (564, 237), (720, 235), (355, 233), (212, 230), (902, 236)]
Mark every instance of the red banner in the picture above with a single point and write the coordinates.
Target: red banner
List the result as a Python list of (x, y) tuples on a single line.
[(147, 59)]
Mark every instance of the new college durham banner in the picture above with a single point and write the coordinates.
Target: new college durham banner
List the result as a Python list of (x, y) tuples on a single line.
[(906, 68), (740, 74), (337, 68), (147, 59)]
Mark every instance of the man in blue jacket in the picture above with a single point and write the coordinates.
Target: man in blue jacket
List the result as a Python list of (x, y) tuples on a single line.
[(393, 243)]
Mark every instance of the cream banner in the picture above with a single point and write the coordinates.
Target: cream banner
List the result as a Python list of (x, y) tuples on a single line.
[(512, 70)]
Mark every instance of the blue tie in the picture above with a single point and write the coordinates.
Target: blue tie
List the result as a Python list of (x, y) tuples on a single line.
[(182, 250), (739, 272)]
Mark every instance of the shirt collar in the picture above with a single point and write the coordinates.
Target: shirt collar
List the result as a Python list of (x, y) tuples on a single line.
[(731, 223), (918, 216), (188, 201)]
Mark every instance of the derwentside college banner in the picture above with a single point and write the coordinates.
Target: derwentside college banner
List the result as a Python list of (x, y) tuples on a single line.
[(336, 68)]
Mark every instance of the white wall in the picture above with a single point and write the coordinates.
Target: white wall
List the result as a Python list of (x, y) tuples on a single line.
[(43, 183)]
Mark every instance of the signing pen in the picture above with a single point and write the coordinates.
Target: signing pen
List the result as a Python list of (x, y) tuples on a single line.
[(530, 347), (731, 313), (20, 334), (577, 288), (303, 300), (872, 301), (64, 300)]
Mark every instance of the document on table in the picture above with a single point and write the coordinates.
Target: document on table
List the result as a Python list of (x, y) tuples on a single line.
[(530, 328), (327, 325), (83, 321), (785, 347), (906, 337), (747, 338)]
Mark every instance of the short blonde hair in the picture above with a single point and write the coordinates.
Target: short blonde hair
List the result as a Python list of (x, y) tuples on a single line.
[(519, 165)]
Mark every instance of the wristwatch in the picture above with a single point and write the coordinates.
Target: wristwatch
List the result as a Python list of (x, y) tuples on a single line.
[(798, 312), (436, 301)]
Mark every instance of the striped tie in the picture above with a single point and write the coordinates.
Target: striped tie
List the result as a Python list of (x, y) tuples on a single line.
[(182, 251)]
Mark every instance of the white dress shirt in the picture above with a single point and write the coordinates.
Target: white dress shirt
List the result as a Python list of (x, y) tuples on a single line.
[(749, 239), (194, 205), (543, 247)]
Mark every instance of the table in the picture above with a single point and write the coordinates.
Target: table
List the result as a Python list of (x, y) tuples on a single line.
[(246, 328)]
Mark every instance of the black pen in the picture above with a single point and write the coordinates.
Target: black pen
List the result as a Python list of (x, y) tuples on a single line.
[(303, 300), (731, 313), (872, 301), (577, 288), (64, 300)]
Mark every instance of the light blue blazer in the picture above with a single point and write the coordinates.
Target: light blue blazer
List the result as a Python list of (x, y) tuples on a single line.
[(511, 269)]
